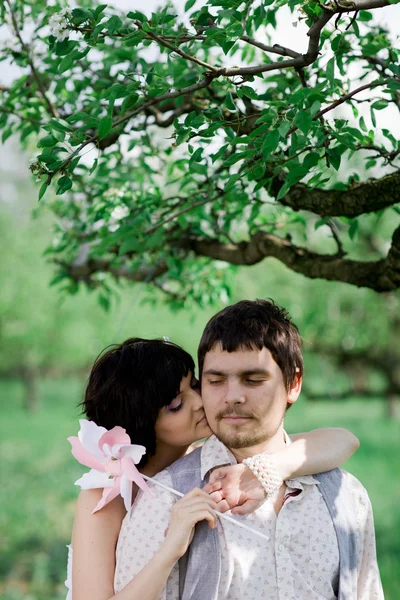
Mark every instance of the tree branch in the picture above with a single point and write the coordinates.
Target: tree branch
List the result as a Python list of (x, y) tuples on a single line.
[(369, 196), (84, 270), (381, 275)]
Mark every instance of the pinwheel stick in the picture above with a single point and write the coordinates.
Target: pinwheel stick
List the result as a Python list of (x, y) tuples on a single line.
[(221, 515)]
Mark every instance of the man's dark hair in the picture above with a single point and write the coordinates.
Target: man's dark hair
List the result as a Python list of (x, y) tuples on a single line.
[(130, 382), (250, 324)]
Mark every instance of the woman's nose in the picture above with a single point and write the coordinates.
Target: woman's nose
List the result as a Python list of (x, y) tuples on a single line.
[(197, 400)]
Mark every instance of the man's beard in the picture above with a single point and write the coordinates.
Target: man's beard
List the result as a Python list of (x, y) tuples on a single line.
[(238, 438)]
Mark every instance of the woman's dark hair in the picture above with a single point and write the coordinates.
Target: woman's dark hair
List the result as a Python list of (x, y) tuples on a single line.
[(130, 382), (256, 324)]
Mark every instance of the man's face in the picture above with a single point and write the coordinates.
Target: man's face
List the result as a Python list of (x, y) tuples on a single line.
[(244, 395)]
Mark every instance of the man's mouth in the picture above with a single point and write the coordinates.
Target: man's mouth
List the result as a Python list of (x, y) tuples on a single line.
[(235, 418)]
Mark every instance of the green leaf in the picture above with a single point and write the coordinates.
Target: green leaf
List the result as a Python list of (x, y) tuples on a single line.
[(311, 160), (64, 184), (189, 4), (321, 222), (353, 229), (270, 143), (234, 31), (94, 166), (330, 70), (363, 125), (113, 24), (380, 104), (43, 189), (335, 157), (81, 13), (315, 107), (137, 16), (129, 102), (283, 191), (104, 302), (303, 121), (47, 142), (104, 127), (248, 91), (229, 103)]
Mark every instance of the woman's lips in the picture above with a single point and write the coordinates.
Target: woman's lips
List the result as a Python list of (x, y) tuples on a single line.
[(202, 420)]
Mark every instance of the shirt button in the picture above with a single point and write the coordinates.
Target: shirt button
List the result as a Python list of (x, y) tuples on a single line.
[(281, 547)]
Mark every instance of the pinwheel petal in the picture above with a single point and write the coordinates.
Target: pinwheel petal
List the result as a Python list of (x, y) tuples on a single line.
[(94, 480), (133, 451), (126, 492), (116, 435), (108, 495), (89, 435), (84, 456), (133, 474)]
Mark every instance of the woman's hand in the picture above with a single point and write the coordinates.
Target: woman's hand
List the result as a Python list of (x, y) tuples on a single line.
[(195, 506), (235, 488)]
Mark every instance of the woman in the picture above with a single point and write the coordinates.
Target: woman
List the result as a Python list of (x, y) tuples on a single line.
[(148, 387)]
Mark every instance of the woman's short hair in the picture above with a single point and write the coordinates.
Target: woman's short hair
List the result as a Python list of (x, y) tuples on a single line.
[(130, 382), (250, 324)]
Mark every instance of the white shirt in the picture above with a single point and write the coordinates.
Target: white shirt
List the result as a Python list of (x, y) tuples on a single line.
[(300, 562)]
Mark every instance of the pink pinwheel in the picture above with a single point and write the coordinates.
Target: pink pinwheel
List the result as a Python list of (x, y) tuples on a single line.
[(112, 459)]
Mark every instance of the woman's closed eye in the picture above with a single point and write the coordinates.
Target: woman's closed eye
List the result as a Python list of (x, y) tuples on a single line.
[(175, 405)]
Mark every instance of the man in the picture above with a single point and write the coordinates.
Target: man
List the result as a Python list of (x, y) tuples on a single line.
[(317, 532)]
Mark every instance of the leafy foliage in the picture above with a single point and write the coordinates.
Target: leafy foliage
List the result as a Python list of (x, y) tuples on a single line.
[(170, 163)]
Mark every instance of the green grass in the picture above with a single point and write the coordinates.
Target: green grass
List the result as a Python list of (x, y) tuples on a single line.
[(37, 494)]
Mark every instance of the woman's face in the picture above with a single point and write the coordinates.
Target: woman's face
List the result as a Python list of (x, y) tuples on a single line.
[(183, 421)]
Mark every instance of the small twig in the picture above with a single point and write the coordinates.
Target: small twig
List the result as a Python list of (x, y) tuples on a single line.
[(22, 118), (275, 49), (42, 91), (335, 235), (160, 40), (178, 214)]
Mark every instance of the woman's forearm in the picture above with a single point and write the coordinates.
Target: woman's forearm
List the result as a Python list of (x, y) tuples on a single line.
[(149, 583), (314, 452)]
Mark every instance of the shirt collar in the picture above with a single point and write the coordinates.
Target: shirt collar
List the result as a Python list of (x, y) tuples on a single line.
[(215, 454)]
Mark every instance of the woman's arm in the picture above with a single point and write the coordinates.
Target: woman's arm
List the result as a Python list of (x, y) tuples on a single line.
[(314, 452), (320, 450), (94, 542), (94, 539)]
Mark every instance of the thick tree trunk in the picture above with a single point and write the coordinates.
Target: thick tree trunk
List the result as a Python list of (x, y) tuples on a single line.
[(392, 406), (29, 378)]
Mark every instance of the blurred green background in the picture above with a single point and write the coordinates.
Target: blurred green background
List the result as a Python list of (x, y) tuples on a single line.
[(47, 344)]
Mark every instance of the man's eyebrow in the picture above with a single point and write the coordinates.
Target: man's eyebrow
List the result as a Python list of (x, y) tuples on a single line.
[(214, 372), (246, 373), (255, 372)]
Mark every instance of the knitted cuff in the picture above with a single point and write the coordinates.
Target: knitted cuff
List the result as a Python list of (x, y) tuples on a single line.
[(262, 466)]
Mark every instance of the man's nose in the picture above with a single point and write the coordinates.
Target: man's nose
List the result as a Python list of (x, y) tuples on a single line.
[(234, 394)]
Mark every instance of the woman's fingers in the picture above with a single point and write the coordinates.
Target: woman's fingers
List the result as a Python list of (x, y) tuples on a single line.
[(246, 508), (218, 474), (212, 486)]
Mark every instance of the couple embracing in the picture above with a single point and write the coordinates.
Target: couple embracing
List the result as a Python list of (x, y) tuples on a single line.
[(264, 514)]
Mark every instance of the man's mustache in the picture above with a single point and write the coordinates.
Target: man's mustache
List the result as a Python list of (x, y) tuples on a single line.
[(232, 412)]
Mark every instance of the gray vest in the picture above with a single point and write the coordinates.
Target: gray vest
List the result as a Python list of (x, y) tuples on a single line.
[(200, 567)]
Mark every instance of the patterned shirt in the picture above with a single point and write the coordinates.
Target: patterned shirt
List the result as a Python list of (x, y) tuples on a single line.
[(299, 562)]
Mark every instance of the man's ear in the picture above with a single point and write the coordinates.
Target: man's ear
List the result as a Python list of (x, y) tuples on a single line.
[(295, 388)]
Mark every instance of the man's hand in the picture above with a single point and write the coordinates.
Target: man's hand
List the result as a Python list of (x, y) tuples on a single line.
[(235, 488)]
